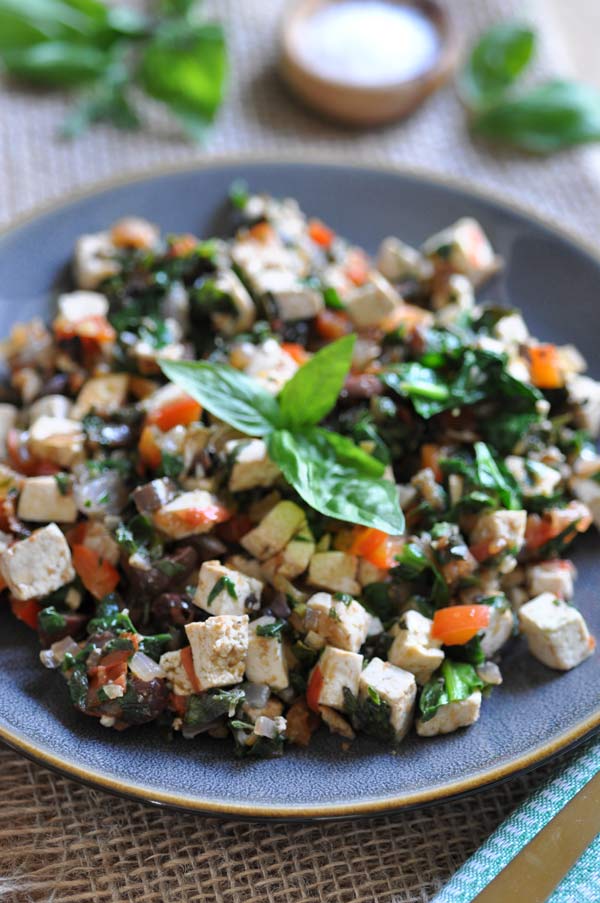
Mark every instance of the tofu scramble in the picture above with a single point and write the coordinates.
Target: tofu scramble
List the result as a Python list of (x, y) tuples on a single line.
[(256, 485)]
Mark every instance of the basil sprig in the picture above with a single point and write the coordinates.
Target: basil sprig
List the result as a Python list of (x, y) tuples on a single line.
[(541, 119), (328, 471)]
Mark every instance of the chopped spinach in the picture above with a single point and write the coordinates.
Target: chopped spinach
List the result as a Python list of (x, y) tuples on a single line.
[(370, 714), (51, 621), (63, 482), (206, 707)]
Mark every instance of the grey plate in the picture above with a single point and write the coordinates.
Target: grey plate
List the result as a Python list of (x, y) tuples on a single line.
[(536, 713)]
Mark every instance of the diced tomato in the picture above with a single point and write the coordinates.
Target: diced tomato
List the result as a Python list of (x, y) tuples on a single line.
[(356, 267), (481, 551), (102, 675), (298, 352), (545, 368), (262, 232), (178, 704), (236, 527), (332, 324), (314, 688), (182, 245), (179, 412), (320, 233), (133, 232), (149, 449), (26, 610), (376, 546), (458, 624), (188, 663), (116, 658), (212, 514), (430, 456), (541, 529), (97, 575)]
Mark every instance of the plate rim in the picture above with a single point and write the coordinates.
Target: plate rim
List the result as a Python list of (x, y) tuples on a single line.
[(488, 777)]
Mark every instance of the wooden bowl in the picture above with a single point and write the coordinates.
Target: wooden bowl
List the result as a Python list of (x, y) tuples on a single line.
[(363, 105)]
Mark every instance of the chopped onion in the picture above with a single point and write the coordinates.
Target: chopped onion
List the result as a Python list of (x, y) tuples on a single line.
[(47, 659), (144, 667), (54, 656), (101, 495), (257, 695), (269, 727), (113, 691), (490, 673)]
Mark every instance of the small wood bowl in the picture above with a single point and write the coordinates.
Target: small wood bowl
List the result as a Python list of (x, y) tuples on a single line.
[(359, 105)]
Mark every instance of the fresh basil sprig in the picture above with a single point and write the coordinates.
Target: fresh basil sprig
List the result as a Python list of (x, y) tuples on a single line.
[(329, 472), (542, 119), (108, 51)]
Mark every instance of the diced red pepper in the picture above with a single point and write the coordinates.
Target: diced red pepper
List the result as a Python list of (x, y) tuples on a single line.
[(179, 412), (377, 547), (320, 233), (314, 688), (332, 324), (26, 610), (97, 574), (188, 664)]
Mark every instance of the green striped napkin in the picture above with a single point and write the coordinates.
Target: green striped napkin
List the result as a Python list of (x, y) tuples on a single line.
[(581, 884)]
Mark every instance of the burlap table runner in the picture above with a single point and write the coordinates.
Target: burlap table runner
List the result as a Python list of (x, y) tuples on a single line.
[(64, 843)]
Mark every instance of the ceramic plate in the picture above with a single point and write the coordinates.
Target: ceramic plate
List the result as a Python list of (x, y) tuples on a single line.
[(535, 714)]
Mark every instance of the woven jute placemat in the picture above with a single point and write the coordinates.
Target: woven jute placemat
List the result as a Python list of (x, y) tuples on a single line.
[(64, 843)]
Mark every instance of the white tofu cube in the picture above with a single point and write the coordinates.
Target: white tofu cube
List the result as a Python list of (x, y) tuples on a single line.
[(293, 299), (94, 260), (335, 571), (339, 619), (102, 394), (243, 313), (175, 674), (414, 649), (501, 531), (274, 531), (588, 492), (251, 465), (511, 330), (8, 419), (147, 356), (369, 573), (372, 303), (398, 261), (57, 439), (584, 392), (42, 501), (268, 363), (266, 662), (38, 565), (50, 406), (452, 716), (335, 670), (76, 306), (453, 297), (222, 591), (294, 559), (556, 632), (498, 631), (533, 477), (219, 650), (554, 577), (394, 686), (463, 248), (189, 514)]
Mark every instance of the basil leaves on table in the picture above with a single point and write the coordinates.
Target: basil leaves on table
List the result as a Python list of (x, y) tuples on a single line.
[(328, 471), (541, 119)]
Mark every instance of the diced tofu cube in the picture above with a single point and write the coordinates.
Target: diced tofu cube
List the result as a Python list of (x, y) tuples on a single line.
[(50, 406), (147, 355), (42, 501), (8, 418), (293, 299), (588, 492), (533, 477), (396, 687), (268, 363), (498, 631), (335, 670), (175, 673), (511, 330), (95, 260), (340, 620), (243, 312), (554, 577), (244, 565), (266, 662), (76, 306), (221, 591), (452, 716), (499, 532), (454, 296), (584, 392), (372, 303), (102, 394), (398, 261), (463, 248), (189, 514), (294, 559), (251, 465), (38, 565), (369, 573), (414, 649), (556, 632), (57, 439), (219, 650), (274, 531), (335, 571)]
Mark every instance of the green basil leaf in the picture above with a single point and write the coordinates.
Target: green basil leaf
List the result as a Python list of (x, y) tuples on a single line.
[(185, 66), (496, 61), (335, 481), (547, 118), (427, 390), (314, 389), (226, 393), (56, 63), (490, 476)]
